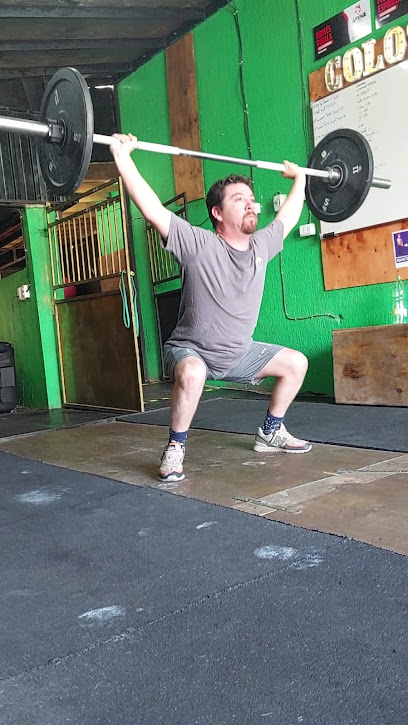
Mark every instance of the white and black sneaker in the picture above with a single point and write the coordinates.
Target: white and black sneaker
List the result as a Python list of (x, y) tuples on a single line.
[(171, 466), (279, 441)]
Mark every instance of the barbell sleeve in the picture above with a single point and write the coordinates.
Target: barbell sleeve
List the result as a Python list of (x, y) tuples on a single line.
[(21, 125), (380, 183)]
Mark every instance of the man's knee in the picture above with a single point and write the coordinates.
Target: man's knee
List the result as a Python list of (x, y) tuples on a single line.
[(298, 363), (190, 373)]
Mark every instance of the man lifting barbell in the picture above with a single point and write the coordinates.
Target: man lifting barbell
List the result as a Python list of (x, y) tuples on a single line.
[(223, 275), (219, 310)]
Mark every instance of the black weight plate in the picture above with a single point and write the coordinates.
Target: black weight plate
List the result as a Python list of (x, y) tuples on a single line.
[(350, 153), (67, 101)]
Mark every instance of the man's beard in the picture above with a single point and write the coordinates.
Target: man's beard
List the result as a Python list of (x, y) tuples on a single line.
[(249, 224)]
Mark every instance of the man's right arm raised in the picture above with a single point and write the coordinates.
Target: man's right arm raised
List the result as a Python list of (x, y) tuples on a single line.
[(138, 189)]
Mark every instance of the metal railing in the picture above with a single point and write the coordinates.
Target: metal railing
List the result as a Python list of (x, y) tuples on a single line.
[(88, 245), (162, 264)]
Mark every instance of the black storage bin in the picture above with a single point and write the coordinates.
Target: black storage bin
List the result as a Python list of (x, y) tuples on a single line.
[(8, 391)]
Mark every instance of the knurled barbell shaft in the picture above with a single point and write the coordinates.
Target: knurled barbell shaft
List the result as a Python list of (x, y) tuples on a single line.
[(36, 128)]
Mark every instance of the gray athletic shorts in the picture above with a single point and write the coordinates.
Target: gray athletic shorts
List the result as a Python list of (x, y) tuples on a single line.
[(254, 360)]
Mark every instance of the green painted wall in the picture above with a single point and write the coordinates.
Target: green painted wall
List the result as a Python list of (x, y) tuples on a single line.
[(277, 55)]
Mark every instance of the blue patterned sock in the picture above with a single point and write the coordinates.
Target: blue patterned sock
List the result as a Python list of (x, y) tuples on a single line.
[(271, 423), (178, 437)]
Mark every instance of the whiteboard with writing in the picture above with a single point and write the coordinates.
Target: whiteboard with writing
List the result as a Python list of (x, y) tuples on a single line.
[(378, 108)]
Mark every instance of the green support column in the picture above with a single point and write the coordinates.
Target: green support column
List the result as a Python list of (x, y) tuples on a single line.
[(36, 240), (146, 304)]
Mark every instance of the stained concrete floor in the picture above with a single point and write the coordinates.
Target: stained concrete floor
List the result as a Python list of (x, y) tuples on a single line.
[(357, 493)]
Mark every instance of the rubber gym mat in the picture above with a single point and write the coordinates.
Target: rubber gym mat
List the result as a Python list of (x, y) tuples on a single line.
[(22, 422), (360, 426), (126, 604)]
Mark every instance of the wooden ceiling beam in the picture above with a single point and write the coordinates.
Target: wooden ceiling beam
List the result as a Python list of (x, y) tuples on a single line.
[(27, 46), (146, 13)]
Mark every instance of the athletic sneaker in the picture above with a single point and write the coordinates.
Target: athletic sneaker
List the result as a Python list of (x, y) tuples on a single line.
[(171, 466), (279, 440)]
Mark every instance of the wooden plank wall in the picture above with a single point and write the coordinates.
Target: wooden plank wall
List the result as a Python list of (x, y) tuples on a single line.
[(183, 111), (361, 257)]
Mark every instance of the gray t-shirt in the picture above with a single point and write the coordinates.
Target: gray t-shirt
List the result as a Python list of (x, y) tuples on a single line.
[(222, 290)]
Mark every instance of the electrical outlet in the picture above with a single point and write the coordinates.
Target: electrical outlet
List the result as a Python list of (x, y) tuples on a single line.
[(23, 292), (278, 200), (307, 230)]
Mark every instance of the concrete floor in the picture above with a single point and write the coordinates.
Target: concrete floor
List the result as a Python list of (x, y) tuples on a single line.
[(352, 492)]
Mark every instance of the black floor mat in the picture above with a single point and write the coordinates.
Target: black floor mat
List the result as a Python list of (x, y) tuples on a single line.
[(123, 604), (22, 422), (361, 426)]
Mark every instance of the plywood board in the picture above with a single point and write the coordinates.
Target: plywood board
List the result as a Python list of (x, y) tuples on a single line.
[(183, 112), (366, 256), (371, 365)]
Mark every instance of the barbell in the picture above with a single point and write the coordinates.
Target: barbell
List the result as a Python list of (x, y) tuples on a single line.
[(339, 174)]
